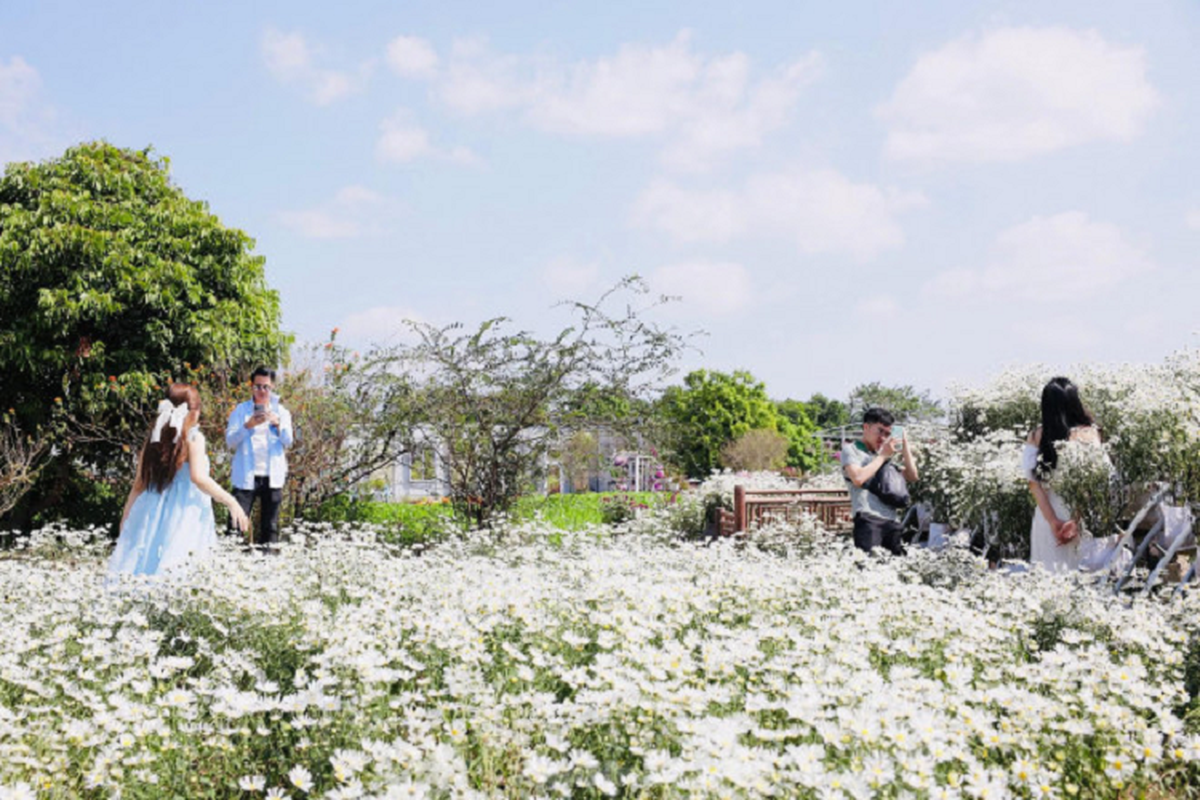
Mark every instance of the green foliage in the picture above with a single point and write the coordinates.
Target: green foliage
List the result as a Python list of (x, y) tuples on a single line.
[(826, 413), (399, 523), (619, 508), (572, 512), (111, 282), (905, 402), (425, 521), (709, 410), (805, 451)]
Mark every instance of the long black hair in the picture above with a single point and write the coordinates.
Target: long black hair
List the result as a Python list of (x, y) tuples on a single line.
[(1062, 410)]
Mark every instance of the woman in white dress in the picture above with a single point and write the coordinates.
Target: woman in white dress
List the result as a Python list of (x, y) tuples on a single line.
[(1054, 538)]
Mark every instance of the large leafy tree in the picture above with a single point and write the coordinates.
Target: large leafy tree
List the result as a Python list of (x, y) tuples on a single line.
[(826, 412), (804, 448), (905, 402), (113, 281), (711, 409)]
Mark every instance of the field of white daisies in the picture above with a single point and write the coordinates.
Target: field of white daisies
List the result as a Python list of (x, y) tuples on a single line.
[(630, 661), (618, 662)]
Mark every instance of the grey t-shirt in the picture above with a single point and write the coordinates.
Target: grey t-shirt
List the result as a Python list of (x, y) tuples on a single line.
[(862, 501)]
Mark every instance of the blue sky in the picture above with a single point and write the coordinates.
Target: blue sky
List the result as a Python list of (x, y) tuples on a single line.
[(913, 193)]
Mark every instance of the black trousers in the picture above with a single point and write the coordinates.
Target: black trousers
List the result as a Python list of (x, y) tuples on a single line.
[(271, 499), (871, 531)]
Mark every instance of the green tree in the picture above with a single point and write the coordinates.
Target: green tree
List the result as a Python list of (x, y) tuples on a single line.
[(112, 281), (826, 412), (804, 448), (709, 410), (905, 402)]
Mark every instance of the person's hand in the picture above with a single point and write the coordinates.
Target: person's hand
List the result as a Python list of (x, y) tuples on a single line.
[(272, 418), (1066, 532), (240, 520), (256, 419), (887, 448)]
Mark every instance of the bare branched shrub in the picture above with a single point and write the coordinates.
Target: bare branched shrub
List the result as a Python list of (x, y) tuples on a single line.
[(21, 459), (759, 449)]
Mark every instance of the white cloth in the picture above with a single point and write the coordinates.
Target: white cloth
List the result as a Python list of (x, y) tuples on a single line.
[(1044, 548), (261, 447)]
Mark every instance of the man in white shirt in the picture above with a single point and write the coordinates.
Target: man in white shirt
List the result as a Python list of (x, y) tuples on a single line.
[(258, 433)]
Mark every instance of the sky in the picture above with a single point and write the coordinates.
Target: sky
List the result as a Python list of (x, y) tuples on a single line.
[(917, 193)]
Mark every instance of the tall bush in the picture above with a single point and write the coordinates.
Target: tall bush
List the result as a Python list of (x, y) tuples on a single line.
[(112, 282)]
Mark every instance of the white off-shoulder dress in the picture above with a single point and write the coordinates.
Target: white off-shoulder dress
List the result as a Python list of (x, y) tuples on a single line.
[(1044, 548)]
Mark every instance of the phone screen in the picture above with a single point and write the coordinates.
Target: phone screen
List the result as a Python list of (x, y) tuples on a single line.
[(898, 436)]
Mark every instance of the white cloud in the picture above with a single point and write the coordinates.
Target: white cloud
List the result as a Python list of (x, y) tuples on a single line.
[(477, 81), (715, 288), (878, 307), (568, 278), (821, 210), (291, 59), (1015, 93), (701, 106), (1193, 219), (378, 325), (19, 85), (402, 140), (412, 57), (1070, 332), (353, 212), (27, 121), (1049, 260)]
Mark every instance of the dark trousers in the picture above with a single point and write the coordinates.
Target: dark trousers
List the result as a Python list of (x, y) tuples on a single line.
[(871, 531), (271, 499)]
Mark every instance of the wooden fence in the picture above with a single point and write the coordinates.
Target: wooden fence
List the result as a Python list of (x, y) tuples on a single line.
[(753, 507)]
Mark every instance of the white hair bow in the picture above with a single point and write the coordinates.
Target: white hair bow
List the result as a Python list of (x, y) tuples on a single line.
[(169, 415)]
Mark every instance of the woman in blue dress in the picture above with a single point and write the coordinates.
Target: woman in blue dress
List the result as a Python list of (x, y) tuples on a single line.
[(168, 518)]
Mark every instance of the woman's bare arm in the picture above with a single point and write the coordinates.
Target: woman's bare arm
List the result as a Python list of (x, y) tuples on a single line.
[(1063, 529), (198, 468)]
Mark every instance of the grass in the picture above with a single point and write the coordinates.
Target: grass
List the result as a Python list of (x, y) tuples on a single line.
[(424, 520)]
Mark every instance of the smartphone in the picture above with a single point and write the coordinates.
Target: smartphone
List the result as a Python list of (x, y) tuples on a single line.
[(898, 437), (259, 409)]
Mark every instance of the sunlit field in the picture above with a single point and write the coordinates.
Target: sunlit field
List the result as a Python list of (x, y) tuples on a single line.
[(608, 662)]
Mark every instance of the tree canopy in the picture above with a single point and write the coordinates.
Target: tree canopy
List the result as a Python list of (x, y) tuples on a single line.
[(113, 281), (826, 412), (905, 402), (804, 450), (711, 409)]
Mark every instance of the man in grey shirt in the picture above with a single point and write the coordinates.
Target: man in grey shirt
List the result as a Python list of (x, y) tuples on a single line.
[(875, 522)]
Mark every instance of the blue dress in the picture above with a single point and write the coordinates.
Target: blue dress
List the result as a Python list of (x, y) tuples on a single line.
[(166, 530)]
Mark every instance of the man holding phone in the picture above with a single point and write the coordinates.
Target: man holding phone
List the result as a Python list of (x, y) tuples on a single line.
[(258, 433), (876, 523)]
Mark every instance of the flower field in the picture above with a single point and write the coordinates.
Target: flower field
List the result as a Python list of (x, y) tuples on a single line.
[(590, 664)]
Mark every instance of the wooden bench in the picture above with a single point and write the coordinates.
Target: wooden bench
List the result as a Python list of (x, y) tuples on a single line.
[(753, 507)]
